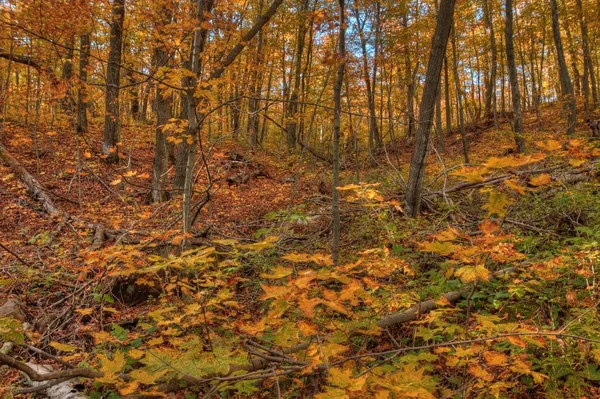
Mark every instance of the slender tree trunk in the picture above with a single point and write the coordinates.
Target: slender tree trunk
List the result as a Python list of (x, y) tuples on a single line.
[(112, 119), (84, 61), (566, 85), (447, 101), (577, 78), (374, 140), (337, 97), (203, 10), (163, 114), (587, 60), (255, 87), (432, 80), (292, 111), (514, 80), (459, 97), (67, 74), (410, 85), (439, 129)]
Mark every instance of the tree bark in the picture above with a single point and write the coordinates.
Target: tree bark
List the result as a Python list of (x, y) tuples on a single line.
[(432, 80), (587, 59), (566, 86), (84, 61), (256, 86), (514, 80), (459, 103), (292, 106), (163, 114), (337, 96), (112, 119)]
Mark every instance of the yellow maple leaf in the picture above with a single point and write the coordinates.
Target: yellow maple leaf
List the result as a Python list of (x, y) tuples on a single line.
[(111, 368), (470, 174), (549, 145), (441, 248), (477, 371), (495, 358), (497, 203), (278, 272), (343, 378), (63, 347), (135, 354), (541, 180), (130, 388), (513, 185), (307, 306), (144, 377), (469, 274)]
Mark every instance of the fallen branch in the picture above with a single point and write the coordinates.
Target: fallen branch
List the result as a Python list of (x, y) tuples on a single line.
[(54, 375), (35, 187), (39, 193), (570, 176), (427, 306)]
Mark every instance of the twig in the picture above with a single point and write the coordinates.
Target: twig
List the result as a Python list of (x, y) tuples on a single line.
[(15, 255), (49, 356)]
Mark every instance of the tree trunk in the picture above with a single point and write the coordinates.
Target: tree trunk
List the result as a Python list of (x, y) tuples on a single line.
[(587, 59), (292, 109), (514, 80), (432, 80), (255, 87), (566, 85), (447, 101), (574, 57), (163, 114), (84, 61), (112, 119), (337, 96), (410, 85), (374, 141), (459, 102)]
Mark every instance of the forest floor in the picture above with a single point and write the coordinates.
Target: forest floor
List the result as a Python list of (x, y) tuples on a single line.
[(55, 260)]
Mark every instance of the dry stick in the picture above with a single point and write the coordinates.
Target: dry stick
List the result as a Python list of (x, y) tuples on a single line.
[(49, 356), (38, 191), (42, 387), (55, 375), (15, 255)]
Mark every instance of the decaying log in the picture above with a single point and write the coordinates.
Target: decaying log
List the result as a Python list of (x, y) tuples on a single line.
[(37, 191), (35, 187), (53, 389), (570, 176), (424, 307)]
